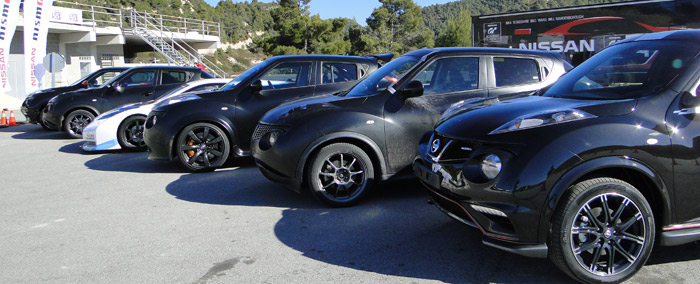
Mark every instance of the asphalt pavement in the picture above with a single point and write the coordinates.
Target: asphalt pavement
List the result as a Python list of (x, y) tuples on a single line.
[(67, 216)]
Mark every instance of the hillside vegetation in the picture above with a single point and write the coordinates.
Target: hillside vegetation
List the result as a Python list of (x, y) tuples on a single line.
[(287, 26)]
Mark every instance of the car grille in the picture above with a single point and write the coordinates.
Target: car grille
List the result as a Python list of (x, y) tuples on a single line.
[(261, 129), (443, 148)]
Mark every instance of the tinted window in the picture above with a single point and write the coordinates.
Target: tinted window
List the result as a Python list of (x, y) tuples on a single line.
[(103, 78), (139, 78), (384, 77), (287, 75), (205, 88), (515, 71), (173, 77), (627, 70), (338, 72), (450, 75)]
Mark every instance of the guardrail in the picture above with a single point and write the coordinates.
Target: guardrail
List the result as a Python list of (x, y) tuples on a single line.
[(95, 16)]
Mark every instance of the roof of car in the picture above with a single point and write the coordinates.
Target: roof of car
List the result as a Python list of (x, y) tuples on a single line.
[(327, 57), (165, 67), (496, 50), (681, 35), (114, 68)]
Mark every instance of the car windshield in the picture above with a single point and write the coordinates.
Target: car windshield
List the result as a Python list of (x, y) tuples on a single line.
[(245, 75), (115, 78), (384, 77), (625, 71)]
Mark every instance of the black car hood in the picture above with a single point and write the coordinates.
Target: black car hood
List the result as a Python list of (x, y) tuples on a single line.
[(479, 120), (59, 89), (294, 109), (81, 92)]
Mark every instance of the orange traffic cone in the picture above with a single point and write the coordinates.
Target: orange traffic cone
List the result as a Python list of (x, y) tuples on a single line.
[(3, 120), (13, 120)]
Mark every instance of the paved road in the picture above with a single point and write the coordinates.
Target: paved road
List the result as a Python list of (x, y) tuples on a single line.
[(71, 217)]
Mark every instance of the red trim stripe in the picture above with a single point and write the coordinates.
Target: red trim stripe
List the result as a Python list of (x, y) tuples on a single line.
[(523, 31), (681, 227)]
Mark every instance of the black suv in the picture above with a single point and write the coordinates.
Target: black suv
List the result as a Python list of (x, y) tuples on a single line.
[(72, 111), (33, 105), (201, 131), (592, 172), (339, 145)]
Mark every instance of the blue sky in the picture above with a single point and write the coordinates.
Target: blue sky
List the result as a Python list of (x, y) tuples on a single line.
[(358, 9)]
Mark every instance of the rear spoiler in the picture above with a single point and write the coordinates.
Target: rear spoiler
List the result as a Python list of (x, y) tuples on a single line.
[(386, 57)]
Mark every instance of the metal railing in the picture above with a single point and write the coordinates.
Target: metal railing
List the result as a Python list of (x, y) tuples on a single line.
[(94, 15)]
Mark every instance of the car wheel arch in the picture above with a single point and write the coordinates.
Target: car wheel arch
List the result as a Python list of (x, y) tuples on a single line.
[(638, 174), (92, 110), (365, 143), (224, 125)]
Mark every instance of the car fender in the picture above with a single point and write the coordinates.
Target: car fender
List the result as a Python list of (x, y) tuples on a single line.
[(316, 144), (569, 178), (196, 117)]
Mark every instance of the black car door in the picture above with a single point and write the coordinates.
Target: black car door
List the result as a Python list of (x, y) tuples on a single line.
[(133, 88), (282, 82), (169, 79), (446, 80), (683, 122)]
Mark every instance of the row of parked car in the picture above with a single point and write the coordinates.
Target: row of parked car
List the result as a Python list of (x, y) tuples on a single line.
[(589, 168)]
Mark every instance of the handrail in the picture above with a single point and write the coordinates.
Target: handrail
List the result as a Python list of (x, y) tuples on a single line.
[(174, 42)]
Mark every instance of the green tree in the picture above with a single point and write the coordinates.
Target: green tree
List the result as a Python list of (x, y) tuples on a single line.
[(398, 27), (458, 31)]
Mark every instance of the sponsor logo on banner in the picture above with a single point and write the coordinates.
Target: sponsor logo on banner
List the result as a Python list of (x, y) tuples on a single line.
[(492, 32), (36, 16), (8, 25)]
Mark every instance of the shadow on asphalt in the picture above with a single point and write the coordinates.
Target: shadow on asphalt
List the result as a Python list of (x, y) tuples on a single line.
[(663, 255), (34, 131), (138, 162), (392, 232)]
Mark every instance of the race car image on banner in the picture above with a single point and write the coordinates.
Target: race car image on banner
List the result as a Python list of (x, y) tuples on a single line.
[(122, 127)]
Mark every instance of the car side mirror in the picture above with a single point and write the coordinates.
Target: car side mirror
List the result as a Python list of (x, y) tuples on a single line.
[(256, 86), (688, 100), (412, 90), (84, 83)]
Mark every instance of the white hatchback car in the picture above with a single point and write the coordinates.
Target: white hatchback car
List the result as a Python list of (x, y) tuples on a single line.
[(122, 127)]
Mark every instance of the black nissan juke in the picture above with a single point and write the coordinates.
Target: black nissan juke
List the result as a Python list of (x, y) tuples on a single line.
[(202, 131), (340, 145), (592, 173)]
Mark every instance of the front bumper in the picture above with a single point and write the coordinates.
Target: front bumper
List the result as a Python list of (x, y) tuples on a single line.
[(493, 211), (269, 172), (158, 140), (30, 113), (93, 144), (53, 120)]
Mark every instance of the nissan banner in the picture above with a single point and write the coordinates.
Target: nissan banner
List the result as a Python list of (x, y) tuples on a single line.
[(36, 19), (8, 24)]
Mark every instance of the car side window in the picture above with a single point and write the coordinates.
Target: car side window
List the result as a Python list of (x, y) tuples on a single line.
[(287, 75), (139, 78), (338, 72), (515, 71), (102, 78), (447, 75), (173, 77)]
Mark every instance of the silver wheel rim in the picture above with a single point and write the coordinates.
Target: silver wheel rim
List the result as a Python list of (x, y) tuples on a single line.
[(342, 177), (202, 147), (78, 123), (608, 234)]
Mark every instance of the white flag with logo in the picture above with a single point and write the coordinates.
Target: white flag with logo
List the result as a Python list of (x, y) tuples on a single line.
[(8, 25), (36, 28)]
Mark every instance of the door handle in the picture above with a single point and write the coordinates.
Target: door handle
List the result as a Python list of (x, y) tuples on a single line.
[(687, 111)]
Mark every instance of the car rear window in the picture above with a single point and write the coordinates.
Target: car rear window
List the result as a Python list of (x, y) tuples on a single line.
[(338, 72), (515, 71)]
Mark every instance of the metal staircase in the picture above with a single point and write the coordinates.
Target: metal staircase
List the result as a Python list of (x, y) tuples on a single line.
[(174, 49)]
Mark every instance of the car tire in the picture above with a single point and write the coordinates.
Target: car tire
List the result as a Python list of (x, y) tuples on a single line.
[(340, 174), (76, 121), (202, 147), (40, 120), (130, 133), (603, 232)]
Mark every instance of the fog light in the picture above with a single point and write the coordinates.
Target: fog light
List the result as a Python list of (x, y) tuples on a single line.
[(491, 166), (268, 140)]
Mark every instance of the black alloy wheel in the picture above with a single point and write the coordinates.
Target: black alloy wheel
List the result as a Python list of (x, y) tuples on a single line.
[(340, 175), (76, 121), (604, 233), (202, 147), (130, 133)]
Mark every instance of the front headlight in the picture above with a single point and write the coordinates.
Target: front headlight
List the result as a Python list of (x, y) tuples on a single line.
[(491, 166), (542, 119)]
